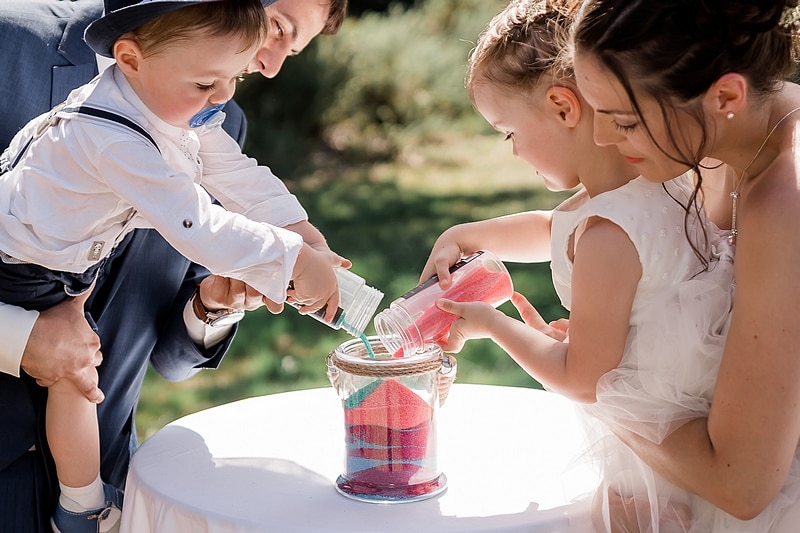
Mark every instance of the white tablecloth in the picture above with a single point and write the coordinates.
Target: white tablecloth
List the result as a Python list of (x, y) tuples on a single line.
[(269, 464)]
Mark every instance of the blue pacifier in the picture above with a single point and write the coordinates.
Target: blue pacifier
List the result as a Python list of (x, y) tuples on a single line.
[(210, 117)]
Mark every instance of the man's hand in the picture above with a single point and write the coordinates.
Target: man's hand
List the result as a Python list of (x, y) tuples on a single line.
[(62, 345), (217, 292), (275, 308)]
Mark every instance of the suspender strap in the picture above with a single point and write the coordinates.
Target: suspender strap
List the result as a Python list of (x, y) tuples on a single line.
[(4, 163), (113, 117), (52, 119)]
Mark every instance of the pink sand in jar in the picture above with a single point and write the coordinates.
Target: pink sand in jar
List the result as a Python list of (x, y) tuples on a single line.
[(391, 449)]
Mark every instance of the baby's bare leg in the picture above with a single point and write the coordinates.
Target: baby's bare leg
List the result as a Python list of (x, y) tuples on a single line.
[(72, 433)]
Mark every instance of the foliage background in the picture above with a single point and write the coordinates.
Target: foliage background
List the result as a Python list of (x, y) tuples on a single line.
[(373, 131)]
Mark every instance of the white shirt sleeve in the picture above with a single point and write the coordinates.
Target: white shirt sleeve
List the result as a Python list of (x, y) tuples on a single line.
[(16, 324), (244, 186), (227, 243)]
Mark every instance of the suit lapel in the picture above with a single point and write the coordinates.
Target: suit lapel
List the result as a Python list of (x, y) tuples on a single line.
[(83, 62), (66, 78)]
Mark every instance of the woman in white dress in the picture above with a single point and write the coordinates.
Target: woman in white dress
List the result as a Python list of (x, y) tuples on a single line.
[(673, 83)]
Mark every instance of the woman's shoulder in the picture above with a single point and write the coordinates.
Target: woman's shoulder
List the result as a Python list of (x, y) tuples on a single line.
[(775, 193)]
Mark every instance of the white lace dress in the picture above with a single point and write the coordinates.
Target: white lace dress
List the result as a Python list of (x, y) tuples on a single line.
[(677, 332)]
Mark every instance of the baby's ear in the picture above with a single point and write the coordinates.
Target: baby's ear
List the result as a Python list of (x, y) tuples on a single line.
[(565, 103), (128, 56)]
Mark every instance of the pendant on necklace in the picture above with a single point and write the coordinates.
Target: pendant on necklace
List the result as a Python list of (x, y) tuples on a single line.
[(734, 204)]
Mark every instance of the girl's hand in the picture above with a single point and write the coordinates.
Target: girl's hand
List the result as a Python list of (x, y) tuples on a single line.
[(475, 322), (448, 250)]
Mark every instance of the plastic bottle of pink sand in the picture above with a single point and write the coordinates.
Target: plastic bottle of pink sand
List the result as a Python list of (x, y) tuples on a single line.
[(413, 321)]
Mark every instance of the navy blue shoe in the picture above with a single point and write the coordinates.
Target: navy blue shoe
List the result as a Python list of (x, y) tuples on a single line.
[(102, 520)]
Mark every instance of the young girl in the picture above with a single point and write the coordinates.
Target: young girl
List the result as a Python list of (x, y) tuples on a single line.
[(673, 83), (128, 150), (646, 279)]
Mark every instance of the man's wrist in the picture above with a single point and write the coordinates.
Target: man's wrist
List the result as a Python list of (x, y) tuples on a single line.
[(199, 309), (215, 318)]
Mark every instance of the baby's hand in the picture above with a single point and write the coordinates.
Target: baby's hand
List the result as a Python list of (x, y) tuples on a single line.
[(475, 322), (314, 283)]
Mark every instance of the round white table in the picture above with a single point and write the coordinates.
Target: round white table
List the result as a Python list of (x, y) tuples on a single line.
[(269, 464)]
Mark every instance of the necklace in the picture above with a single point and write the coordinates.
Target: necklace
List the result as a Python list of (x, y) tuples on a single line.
[(735, 192)]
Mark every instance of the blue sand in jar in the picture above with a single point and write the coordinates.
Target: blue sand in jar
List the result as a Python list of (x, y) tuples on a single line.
[(355, 399)]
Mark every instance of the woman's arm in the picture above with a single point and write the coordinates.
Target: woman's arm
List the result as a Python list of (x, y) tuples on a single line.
[(738, 458)]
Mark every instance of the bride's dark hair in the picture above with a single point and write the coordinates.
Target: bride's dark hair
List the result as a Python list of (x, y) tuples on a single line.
[(674, 50)]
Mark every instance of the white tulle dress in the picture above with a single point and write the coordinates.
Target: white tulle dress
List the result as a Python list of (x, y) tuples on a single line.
[(678, 325)]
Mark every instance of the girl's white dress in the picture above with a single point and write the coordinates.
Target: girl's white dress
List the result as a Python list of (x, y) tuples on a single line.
[(678, 324)]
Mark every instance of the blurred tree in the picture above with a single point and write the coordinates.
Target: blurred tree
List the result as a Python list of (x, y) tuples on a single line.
[(358, 7)]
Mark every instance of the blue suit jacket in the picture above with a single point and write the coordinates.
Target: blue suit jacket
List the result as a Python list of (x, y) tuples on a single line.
[(138, 302)]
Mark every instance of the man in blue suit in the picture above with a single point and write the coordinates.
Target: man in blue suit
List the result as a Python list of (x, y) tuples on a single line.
[(139, 302)]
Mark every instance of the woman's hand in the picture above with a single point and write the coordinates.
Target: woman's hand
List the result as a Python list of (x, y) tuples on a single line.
[(556, 329)]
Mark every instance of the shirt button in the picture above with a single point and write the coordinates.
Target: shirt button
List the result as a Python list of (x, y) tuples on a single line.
[(187, 223)]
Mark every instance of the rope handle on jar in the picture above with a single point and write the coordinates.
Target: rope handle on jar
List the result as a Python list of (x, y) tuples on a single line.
[(446, 377), (447, 365)]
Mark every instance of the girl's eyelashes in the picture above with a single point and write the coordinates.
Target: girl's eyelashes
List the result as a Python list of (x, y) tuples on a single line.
[(204, 87), (625, 128)]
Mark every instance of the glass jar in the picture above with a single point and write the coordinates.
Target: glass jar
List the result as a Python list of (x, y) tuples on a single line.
[(390, 415), (413, 321), (357, 303)]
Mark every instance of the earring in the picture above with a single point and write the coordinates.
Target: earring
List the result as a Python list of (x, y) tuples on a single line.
[(729, 115)]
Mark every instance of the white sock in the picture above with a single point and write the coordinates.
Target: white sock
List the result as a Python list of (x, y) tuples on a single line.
[(80, 499)]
